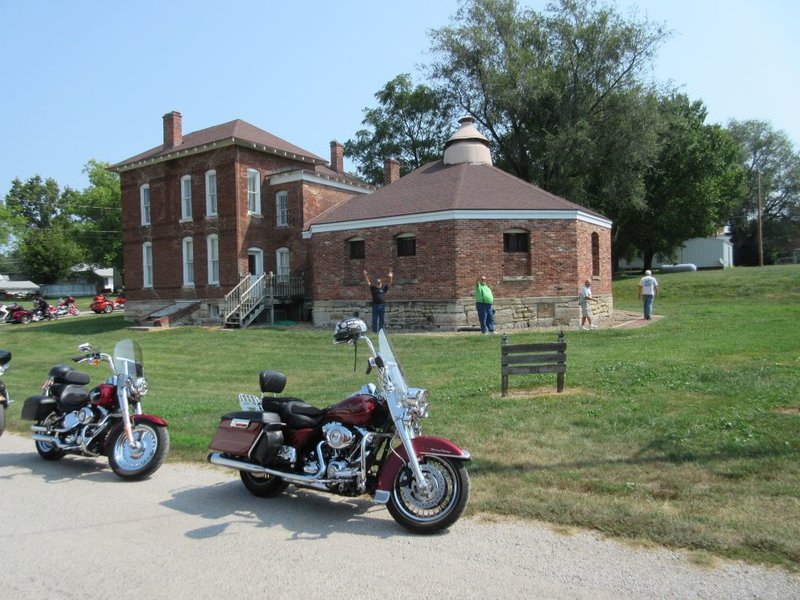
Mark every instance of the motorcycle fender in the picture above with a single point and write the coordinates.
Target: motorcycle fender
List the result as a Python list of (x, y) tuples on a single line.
[(152, 419), (398, 458)]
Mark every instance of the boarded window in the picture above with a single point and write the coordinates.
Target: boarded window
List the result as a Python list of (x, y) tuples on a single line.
[(355, 249), (515, 241), (406, 245)]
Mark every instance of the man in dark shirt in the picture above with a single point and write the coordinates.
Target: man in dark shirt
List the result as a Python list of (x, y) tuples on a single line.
[(378, 291)]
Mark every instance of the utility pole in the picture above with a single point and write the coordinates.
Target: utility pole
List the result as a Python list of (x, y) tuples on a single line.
[(760, 226)]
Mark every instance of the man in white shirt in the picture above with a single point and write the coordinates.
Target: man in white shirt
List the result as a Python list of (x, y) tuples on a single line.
[(648, 289), (584, 297)]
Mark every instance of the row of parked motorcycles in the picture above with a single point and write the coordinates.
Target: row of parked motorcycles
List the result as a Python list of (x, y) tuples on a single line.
[(370, 443), (40, 311)]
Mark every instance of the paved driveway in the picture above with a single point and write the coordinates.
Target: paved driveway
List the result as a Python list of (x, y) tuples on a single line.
[(73, 530)]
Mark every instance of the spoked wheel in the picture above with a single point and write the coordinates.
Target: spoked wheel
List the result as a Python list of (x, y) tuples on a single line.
[(140, 461), (48, 450), (438, 506), (263, 484)]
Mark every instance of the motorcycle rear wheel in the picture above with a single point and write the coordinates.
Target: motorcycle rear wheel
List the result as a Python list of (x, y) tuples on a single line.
[(25, 319), (108, 308), (47, 450), (437, 508), (263, 486), (132, 463)]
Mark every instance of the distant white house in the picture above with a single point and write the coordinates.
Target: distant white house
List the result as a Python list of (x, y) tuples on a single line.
[(17, 287), (704, 253), (85, 281)]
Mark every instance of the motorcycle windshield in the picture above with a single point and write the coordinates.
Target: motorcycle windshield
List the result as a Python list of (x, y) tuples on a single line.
[(393, 369), (128, 359)]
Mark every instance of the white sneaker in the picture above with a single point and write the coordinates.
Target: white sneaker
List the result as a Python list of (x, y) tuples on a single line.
[(593, 327)]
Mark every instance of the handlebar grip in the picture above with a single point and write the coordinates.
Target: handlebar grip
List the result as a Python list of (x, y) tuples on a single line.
[(78, 359)]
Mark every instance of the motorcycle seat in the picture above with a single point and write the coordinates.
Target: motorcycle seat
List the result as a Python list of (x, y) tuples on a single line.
[(296, 413), (74, 397)]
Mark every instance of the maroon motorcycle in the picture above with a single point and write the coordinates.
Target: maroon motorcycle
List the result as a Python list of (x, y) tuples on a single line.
[(107, 421), (369, 443), (16, 313)]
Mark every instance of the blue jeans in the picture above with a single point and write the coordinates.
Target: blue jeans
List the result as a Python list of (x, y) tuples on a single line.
[(485, 316), (378, 313), (648, 305)]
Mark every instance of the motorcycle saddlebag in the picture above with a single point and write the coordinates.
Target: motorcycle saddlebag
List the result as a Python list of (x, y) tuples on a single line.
[(38, 407), (254, 435)]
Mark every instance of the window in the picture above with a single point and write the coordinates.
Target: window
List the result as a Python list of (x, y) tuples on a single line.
[(147, 265), (211, 193), (515, 240), (282, 263), (213, 259), (144, 201), (282, 208), (595, 255), (186, 198), (253, 192), (406, 244), (355, 248), (188, 262)]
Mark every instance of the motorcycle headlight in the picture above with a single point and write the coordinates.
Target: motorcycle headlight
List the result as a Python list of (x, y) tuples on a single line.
[(416, 397), (137, 387)]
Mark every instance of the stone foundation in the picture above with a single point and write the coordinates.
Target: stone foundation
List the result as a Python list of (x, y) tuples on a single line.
[(454, 315)]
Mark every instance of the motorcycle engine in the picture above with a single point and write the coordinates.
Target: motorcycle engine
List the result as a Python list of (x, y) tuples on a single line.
[(78, 417), (338, 436)]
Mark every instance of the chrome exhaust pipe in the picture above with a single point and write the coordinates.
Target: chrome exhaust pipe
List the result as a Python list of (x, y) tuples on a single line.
[(311, 481), (49, 439)]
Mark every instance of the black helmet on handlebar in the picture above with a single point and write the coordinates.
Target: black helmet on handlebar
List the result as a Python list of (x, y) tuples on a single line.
[(348, 330)]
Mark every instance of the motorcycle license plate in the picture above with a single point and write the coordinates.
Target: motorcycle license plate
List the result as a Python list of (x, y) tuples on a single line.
[(250, 402)]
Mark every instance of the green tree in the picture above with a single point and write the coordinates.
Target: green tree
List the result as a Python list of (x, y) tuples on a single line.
[(411, 125), (97, 217), (561, 94), (47, 255), (42, 228), (690, 187), (773, 169)]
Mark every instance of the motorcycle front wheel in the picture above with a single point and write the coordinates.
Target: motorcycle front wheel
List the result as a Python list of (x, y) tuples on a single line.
[(108, 308), (438, 507), (263, 485), (141, 461), (47, 450)]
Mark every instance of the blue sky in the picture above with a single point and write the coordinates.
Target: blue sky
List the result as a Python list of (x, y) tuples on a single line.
[(85, 79)]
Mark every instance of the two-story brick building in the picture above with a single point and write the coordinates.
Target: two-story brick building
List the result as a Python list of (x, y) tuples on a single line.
[(209, 211), (445, 223)]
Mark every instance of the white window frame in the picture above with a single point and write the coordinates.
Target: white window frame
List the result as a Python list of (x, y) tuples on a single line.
[(144, 203), (282, 209), (212, 245), (211, 193), (283, 264), (147, 265), (253, 192), (186, 198), (188, 262)]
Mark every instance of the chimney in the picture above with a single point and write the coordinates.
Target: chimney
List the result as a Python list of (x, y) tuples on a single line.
[(337, 157), (391, 170), (173, 129)]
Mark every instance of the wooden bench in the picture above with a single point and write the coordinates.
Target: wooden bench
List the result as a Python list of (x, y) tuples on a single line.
[(527, 359)]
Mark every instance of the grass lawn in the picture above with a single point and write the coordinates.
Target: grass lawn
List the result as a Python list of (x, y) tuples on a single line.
[(684, 433)]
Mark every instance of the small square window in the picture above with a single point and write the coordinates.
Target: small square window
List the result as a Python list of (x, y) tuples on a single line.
[(406, 246), (356, 249), (515, 242)]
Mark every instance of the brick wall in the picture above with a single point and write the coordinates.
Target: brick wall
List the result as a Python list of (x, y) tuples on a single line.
[(435, 287)]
